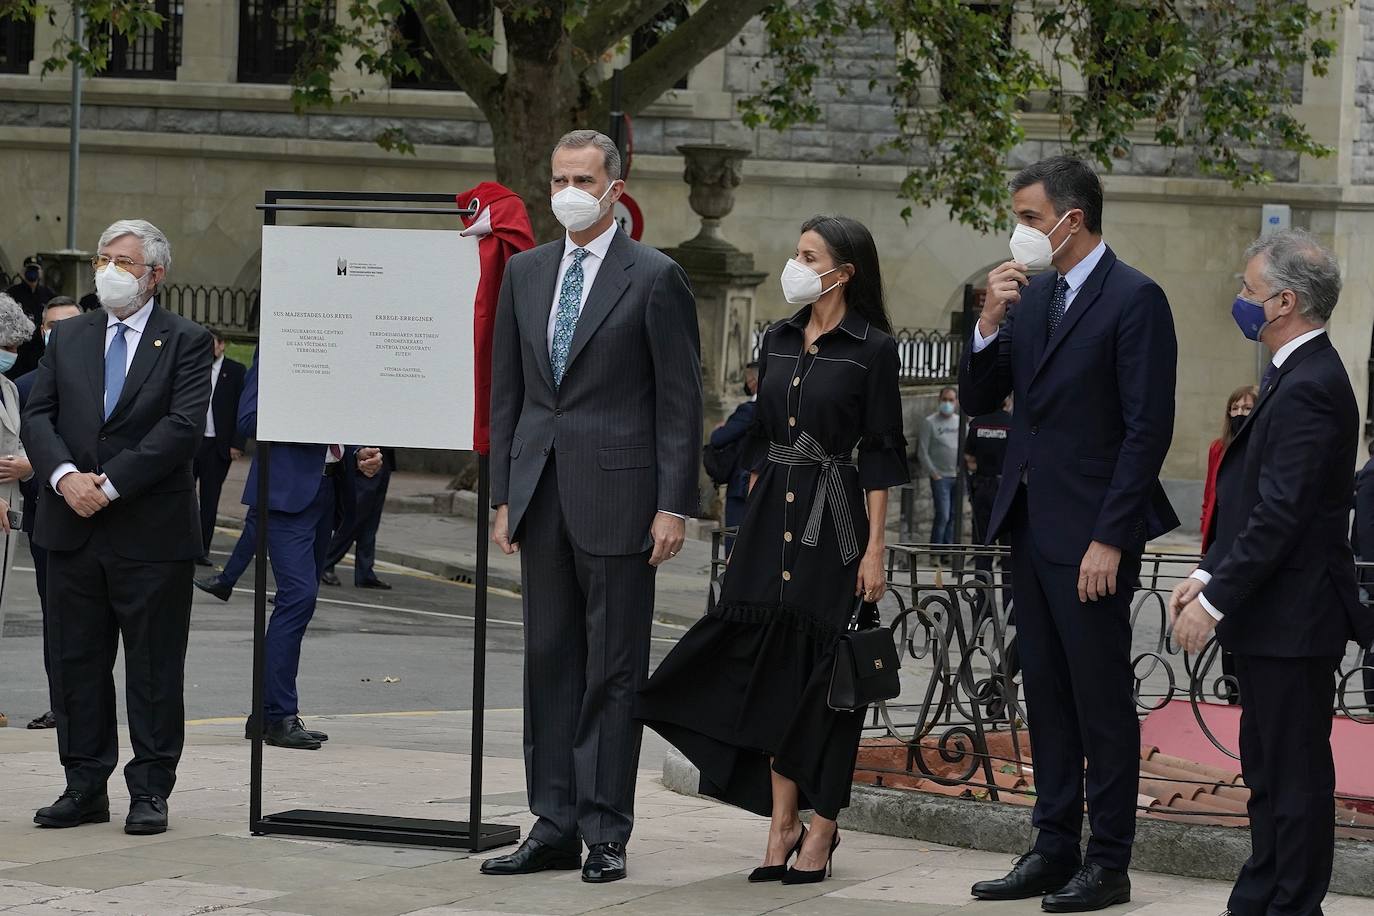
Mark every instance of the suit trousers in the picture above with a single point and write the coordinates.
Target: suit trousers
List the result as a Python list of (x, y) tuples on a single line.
[(210, 470), (364, 521), (96, 597), (1285, 756), (588, 621), (40, 575), (296, 542), (245, 548), (1079, 690)]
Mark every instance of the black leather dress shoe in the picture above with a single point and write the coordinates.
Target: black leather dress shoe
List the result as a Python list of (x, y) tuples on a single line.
[(204, 561), (216, 586), (1092, 888), (318, 736), (374, 583), (532, 856), (330, 578), (1033, 875), (75, 808), (605, 863), (147, 815), (289, 734), (47, 720)]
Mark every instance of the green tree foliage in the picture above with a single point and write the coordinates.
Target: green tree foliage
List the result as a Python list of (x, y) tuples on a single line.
[(1216, 80)]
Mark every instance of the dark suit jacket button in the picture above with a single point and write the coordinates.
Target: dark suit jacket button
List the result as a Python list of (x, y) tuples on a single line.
[(1035, 430), (104, 438), (546, 451), (558, 413)]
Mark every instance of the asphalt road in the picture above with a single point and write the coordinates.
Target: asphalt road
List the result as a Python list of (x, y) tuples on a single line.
[(420, 634)]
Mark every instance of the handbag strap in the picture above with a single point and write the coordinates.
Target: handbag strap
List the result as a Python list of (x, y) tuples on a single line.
[(853, 623)]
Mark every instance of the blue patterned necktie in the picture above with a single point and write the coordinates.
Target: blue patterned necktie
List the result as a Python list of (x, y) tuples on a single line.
[(569, 307), (1059, 304), (116, 363)]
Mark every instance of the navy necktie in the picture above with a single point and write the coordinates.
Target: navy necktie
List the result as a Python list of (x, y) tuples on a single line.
[(1059, 304), (1267, 379), (116, 363)]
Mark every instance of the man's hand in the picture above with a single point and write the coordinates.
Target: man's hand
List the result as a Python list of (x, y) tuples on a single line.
[(935, 476), (1193, 627), (1097, 572), (82, 492), (235, 454), (1004, 291), (500, 531), (1185, 593), (668, 532), (369, 461), (14, 468)]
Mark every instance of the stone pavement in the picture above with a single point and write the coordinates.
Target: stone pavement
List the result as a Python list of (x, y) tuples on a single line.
[(689, 856)]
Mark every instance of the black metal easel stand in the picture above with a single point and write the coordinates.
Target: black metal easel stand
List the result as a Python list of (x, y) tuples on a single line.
[(471, 834)]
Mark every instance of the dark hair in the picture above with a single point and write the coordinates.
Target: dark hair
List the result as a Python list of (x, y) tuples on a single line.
[(1069, 184), (217, 334), (948, 388), (60, 301), (1235, 397), (850, 242)]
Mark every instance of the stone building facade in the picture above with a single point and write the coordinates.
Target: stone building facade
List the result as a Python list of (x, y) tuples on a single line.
[(194, 153)]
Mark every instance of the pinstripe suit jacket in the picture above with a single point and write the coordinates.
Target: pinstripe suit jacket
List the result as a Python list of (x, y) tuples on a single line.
[(626, 421)]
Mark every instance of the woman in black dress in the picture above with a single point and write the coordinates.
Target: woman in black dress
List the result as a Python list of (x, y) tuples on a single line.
[(743, 694)]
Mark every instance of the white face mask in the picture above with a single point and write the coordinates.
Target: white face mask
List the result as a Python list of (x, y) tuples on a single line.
[(801, 285), (1032, 247), (118, 289), (576, 209)]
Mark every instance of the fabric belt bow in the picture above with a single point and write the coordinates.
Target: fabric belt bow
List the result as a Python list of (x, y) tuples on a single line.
[(807, 452)]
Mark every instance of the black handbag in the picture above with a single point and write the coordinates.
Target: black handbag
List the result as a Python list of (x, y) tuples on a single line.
[(866, 666)]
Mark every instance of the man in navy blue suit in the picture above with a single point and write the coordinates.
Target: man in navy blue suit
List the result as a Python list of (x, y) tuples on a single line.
[(300, 516), (1278, 583), (734, 430), (1088, 347)]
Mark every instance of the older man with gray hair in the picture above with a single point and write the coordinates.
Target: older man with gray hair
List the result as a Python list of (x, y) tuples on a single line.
[(1278, 583), (113, 422)]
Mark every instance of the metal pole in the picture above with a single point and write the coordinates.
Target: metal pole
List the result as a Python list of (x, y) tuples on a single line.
[(957, 508), (617, 132), (479, 654), (74, 144)]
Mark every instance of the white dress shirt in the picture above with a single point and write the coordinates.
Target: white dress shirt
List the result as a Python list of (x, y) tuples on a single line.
[(591, 264), (1280, 358), (210, 411), (1076, 277), (134, 325)]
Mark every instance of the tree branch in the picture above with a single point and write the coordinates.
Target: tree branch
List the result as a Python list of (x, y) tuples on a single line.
[(706, 31), (452, 47), (609, 22)]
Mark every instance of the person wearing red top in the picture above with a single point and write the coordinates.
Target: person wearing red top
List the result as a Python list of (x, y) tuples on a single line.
[(1238, 407)]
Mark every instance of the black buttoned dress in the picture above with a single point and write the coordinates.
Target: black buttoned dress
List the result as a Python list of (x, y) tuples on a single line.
[(748, 683)]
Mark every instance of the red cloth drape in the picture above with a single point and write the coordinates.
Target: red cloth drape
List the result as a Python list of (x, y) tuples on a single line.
[(503, 229)]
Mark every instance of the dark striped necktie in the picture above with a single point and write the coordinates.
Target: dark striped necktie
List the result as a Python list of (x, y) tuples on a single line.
[(1059, 304)]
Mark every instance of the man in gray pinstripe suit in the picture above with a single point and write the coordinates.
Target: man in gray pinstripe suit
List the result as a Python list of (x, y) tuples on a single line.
[(595, 434)]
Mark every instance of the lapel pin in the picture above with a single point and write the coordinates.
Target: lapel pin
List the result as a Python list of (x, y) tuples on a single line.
[(157, 343)]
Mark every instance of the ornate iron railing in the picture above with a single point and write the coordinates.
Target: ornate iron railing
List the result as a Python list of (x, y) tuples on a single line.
[(231, 309), (928, 356), (961, 684)]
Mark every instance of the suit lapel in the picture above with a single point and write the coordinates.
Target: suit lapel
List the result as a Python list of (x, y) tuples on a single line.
[(150, 345), (537, 327), (610, 285), (1267, 395), (9, 416), (92, 349), (1084, 300)]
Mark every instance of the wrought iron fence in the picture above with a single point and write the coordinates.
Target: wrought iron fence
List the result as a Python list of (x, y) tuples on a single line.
[(231, 309), (961, 683), (928, 355)]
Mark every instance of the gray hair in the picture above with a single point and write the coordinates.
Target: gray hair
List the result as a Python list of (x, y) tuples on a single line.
[(157, 251), (1294, 259), (581, 139), (15, 326)]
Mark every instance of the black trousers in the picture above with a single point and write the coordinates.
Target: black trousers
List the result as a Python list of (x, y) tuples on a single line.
[(40, 575), (1285, 756), (1079, 687), (588, 620), (210, 470), (360, 526), (95, 597)]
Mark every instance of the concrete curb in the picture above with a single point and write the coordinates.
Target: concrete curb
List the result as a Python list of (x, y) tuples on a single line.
[(1160, 846)]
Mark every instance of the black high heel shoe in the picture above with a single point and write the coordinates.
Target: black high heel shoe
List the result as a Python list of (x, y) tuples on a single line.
[(797, 876), (777, 872)]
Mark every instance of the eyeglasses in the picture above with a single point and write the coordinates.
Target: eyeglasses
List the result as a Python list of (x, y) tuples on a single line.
[(123, 262)]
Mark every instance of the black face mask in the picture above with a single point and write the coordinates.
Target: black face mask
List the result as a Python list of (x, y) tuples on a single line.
[(31, 275), (1237, 422)]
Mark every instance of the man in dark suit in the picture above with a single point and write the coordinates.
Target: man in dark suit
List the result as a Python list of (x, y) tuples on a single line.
[(59, 308), (222, 443), (359, 526), (1089, 350), (33, 295), (1278, 583), (595, 435), (112, 425), (300, 517), (732, 433)]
